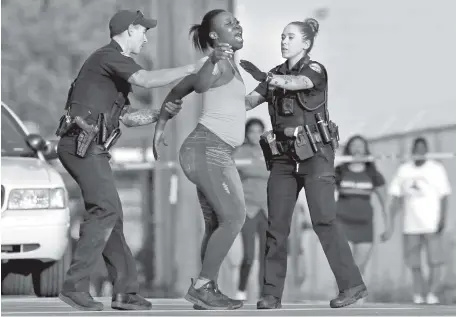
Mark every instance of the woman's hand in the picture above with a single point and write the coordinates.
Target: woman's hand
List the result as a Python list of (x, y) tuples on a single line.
[(221, 51), (158, 139), (253, 70), (172, 108)]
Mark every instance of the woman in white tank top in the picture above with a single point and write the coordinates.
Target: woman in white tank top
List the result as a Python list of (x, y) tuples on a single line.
[(206, 156)]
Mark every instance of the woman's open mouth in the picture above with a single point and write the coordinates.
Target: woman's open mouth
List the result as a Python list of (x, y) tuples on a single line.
[(238, 37)]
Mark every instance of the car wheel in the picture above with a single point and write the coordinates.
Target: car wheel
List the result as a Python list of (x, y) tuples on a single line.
[(16, 278), (48, 281)]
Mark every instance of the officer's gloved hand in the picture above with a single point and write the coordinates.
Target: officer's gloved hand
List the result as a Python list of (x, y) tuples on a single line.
[(253, 70)]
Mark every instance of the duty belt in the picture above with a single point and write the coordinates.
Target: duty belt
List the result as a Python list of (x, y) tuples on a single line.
[(285, 145)]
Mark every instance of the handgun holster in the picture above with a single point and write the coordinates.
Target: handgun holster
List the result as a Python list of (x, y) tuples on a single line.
[(302, 148)]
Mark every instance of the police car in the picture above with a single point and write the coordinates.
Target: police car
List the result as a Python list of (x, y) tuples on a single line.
[(35, 217)]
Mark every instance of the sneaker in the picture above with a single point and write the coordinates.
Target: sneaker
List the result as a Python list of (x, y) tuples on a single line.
[(209, 297), (431, 299), (418, 299), (236, 303), (130, 302), (240, 295)]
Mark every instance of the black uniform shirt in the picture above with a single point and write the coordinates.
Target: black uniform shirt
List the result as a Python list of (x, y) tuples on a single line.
[(102, 77), (312, 97)]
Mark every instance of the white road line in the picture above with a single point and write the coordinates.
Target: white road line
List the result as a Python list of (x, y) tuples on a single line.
[(203, 311), (250, 315), (166, 302), (186, 304), (31, 314), (54, 303)]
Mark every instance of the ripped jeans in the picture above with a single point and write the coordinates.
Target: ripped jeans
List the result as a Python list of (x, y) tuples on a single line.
[(207, 162)]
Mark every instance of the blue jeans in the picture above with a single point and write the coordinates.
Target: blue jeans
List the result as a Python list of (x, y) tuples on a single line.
[(207, 162)]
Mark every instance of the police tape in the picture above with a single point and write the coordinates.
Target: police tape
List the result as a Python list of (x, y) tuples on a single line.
[(395, 157), (138, 166), (142, 158)]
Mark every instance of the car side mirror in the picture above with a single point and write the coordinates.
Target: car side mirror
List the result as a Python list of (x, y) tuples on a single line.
[(36, 142), (50, 151), (39, 144)]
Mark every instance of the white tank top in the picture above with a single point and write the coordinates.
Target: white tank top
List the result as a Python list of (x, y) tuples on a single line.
[(224, 111)]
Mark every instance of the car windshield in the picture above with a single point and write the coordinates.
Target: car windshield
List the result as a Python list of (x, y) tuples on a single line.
[(13, 138)]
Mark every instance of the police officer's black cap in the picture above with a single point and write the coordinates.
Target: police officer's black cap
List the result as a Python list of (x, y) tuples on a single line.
[(123, 18)]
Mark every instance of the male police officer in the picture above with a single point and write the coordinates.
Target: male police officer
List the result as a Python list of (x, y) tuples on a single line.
[(300, 153), (97, 100)]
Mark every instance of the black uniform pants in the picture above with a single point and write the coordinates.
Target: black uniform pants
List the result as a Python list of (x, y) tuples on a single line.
[(318, 178), (101, 231)]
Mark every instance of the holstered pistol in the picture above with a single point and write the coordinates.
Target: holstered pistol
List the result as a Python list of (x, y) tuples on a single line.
[(269, 147), (86, 137)]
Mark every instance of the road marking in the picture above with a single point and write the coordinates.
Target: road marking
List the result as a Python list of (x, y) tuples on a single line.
[(205, 311)]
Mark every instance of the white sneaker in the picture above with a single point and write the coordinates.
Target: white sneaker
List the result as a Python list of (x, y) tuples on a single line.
[(431, 299), (241, 295), (418, 299)]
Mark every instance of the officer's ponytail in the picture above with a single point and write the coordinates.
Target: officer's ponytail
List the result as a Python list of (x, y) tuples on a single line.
[(200, 32), (313, 25), (309, 29)]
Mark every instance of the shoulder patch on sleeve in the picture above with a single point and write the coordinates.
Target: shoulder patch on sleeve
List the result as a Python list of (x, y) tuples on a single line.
[(315, 67)]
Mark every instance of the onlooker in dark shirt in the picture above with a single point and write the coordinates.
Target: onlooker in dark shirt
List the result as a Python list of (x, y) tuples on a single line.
[(356, 182), (254, 179)]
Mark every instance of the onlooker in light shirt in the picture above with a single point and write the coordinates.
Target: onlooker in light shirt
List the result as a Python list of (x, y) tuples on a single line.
[(421, 188)]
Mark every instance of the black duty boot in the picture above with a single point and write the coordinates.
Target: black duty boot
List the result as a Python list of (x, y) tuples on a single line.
[(269, 302), (130, 302), (81, 301), (209, 297), (349, 296)]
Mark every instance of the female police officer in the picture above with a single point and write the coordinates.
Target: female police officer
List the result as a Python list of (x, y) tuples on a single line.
[(96, 100), (297, 95)]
